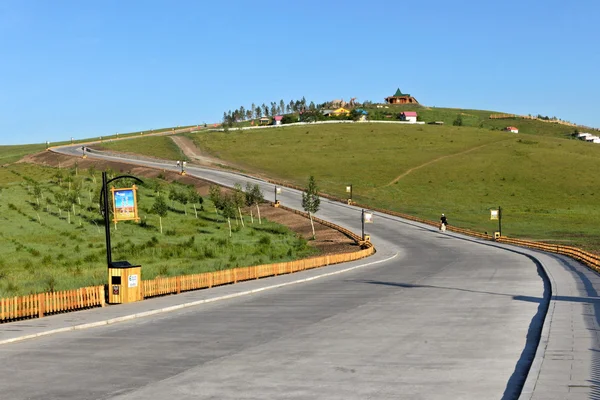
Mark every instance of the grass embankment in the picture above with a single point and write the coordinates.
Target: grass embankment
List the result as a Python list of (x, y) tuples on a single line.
[(153, 146), (10, 154), (546, 186), (57, 245)]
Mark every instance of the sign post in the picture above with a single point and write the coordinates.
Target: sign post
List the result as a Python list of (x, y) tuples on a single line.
[(349, 190), (277, 191), (366, 217), (497, 215)]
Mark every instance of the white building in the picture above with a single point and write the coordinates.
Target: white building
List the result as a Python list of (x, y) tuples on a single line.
[(409, 116)]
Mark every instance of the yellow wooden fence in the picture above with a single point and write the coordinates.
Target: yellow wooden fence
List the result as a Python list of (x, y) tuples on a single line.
[(38, 305), (178, 284)]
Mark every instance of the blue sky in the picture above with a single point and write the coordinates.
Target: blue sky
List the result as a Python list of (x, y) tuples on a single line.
[(88, 68)]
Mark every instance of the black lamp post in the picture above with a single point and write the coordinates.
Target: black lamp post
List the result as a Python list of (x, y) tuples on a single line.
[(500, 220), (105, 210)]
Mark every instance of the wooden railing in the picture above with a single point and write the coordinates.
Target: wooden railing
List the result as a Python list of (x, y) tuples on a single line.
[(590, 259), (38, 305), (178, 284)]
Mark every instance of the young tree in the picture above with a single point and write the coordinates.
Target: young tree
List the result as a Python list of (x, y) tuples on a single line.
[(311, 201), (228, 210), (214, 194), (183, 198), (92, 173), (238, 200), (160, 208), (458, 121), (194, 198), (254, 196)]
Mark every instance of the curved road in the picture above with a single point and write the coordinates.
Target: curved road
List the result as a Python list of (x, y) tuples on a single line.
[(430, 316)]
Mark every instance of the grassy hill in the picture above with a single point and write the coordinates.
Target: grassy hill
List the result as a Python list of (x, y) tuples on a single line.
[(544, 180), (546, 185), (477, 119)]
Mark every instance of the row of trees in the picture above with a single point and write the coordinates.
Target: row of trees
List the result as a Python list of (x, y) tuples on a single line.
[(256, 111), (230, 205)]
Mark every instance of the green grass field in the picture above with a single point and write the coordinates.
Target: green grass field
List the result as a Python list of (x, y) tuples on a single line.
[(153, 146), (51, 242), (545, 185)]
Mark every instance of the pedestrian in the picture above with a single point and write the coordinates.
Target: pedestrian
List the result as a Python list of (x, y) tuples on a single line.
[(444, 222)]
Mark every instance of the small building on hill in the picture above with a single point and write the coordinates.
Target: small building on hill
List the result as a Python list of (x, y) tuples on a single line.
[(408, 116), (401, 98), (277, 119), (340, 111), (362, 114), (512, 129), (264, 121)]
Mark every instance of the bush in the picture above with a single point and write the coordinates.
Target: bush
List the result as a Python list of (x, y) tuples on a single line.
[(458, 121)]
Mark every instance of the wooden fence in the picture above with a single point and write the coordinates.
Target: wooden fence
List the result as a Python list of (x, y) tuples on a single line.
[(38, 305), (178, 284)]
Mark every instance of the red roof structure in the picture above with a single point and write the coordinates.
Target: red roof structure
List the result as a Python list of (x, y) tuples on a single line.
[(278, 117), (410, 113)]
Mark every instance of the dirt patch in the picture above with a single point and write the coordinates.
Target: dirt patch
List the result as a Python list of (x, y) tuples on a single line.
[(328, 240)]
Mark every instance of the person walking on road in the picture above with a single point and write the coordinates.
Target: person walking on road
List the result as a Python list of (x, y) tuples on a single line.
[(444, 222)]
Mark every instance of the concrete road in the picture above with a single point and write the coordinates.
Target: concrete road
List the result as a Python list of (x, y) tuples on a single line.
[(445, 317)]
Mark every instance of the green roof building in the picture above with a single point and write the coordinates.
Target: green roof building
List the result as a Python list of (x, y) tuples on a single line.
[(401, 98)]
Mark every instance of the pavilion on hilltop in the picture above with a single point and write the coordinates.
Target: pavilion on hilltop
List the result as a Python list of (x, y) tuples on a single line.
[(401, 98)]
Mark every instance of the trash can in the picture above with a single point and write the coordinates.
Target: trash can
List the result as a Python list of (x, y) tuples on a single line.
[(124, 282)]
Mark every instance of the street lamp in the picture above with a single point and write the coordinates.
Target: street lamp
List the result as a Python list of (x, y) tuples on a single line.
[(47, 145), (366, 217), (349, 190), (277, 191)]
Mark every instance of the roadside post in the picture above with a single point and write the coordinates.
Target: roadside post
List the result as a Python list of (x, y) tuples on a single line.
[(366, 217), (277, 191), (497, 215), (349, 190)]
